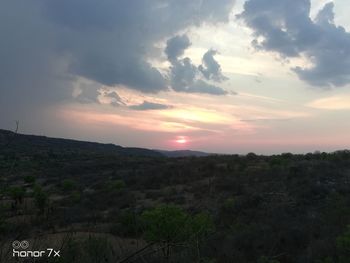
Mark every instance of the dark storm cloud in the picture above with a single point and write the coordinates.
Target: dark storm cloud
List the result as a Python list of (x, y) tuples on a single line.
[(185, 76), (146, 105), (211, 69), (46, 45), (285, 26), (176, 46), (30, 72), (109, 41)]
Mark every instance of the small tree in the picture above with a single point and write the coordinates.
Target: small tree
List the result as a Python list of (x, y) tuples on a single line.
[(201, 226), (170, 226), (166, 225)]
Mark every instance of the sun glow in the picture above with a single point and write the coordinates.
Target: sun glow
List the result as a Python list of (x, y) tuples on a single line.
[(181, 140), (196, 115)]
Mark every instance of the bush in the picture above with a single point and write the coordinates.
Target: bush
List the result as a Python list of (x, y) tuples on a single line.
[(116, 185), (68, 185), (171, 226)]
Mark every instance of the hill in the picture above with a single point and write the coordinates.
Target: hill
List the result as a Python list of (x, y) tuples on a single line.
[(106, 203), (34, 143)]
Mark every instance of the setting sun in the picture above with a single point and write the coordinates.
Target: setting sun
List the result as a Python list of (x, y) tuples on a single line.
[(181, 140)]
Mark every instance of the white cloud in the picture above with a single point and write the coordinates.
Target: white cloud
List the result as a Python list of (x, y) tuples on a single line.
[(331, 103)]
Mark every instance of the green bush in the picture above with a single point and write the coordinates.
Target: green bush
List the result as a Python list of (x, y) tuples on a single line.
[(68, 185), (170, 226), (116, 185)]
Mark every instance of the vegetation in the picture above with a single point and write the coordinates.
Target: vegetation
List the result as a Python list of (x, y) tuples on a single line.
[(171, 227), (98, 205), (40, 198)]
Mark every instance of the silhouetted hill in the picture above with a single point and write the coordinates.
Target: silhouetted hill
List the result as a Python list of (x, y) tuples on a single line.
[(34, 143)]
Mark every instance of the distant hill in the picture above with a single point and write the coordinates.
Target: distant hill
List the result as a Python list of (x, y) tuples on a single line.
[(29, 143), (184, 153)]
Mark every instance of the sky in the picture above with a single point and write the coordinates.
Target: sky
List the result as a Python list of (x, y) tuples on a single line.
[(264, 76)]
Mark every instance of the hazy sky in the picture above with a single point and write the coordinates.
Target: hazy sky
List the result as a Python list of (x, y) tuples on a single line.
[(222, 76)]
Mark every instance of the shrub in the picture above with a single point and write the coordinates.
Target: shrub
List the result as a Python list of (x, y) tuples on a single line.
[(116, 185), (68, 185), (171, 226)]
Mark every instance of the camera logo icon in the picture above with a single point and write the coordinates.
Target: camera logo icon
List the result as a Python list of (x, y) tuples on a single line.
[(20, 244)]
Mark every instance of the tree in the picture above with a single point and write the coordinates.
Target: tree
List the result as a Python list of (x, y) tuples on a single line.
[(201, 226), (170, 226), (166, 225)]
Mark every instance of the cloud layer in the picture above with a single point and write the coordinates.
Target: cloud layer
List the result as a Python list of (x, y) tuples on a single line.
[(285, 27), (46, 45)]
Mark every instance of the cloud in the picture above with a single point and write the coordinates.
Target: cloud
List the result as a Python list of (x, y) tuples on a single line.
[(285, 27), (146, 105), (267, 120), (211, 69), (176, 46), (46, 45), (185, 76), (30, 72), (88, 94), (331, 103), (201, 86), (110, 41), (116, 99), (113, 95)]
